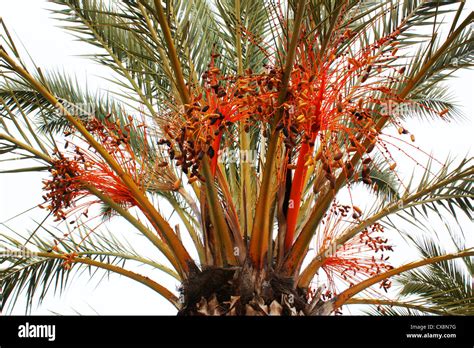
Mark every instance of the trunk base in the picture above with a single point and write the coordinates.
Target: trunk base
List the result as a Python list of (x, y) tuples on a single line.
[(242, 291)]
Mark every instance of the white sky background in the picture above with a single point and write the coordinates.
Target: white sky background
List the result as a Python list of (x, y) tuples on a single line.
[(51, 47)]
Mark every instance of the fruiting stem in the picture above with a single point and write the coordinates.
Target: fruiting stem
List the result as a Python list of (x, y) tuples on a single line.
[(106, 199), (162, 226), (246, 193), (261, 225), (295, 196), (405, 203), (222, 233), (300, 175), (297, 252)]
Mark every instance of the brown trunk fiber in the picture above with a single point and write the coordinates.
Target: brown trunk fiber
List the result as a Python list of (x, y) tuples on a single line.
[(242, 291)]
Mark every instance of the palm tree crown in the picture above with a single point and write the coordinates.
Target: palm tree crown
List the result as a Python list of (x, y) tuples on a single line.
[(249, 119)]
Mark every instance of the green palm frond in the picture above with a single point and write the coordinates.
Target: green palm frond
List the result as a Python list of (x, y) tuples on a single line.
[(448, 190), (411, 17), (83, 103), (199, 34), (459, 54), (451, 190), (254, 19), (127, 47), (134, 48), (32, 269), (442, 288), (29, 275), (24, 107), (433, 101), (438, 60), (459, 241), (446, 285)]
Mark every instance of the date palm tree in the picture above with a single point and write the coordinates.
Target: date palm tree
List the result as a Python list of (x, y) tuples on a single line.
[(249, 119)]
